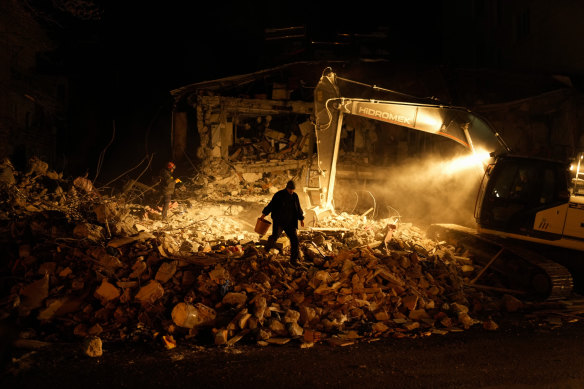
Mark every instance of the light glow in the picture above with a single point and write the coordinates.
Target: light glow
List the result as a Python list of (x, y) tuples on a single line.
[(478, 159)]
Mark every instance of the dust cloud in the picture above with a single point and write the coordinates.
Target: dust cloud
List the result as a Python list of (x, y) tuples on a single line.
[(421, 191)]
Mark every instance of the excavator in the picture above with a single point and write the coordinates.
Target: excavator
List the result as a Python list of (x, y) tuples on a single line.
[(529, 211)]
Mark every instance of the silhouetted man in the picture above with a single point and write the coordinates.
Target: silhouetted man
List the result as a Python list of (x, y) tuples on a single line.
[(286, 211)]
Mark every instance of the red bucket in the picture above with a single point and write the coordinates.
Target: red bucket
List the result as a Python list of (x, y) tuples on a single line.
[(262, 226)]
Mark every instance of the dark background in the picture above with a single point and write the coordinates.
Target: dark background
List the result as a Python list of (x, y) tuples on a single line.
[(122, 64), (122, 58)]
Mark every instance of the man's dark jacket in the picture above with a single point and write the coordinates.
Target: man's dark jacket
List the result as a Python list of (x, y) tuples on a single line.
[(285, 209), (167, 182)]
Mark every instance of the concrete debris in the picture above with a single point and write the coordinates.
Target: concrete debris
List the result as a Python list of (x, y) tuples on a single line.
[(205, 273), (92, 347)]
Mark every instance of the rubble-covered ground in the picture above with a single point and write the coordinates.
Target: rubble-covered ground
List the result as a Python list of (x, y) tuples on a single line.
[(83, 266)]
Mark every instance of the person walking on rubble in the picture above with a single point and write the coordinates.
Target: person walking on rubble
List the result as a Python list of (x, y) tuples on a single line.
[(167, 182), (286, 211)]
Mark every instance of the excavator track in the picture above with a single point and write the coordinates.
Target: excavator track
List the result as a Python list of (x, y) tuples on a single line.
[(527, 269)]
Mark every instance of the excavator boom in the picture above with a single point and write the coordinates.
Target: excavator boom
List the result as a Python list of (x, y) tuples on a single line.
[(548, 214), (456, 123)]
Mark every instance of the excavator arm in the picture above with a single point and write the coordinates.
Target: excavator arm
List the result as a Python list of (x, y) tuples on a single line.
[(550, 219), (456, 123)]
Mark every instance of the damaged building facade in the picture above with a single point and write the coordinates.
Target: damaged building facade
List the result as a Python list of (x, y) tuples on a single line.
[(261, 125), (258, 122)]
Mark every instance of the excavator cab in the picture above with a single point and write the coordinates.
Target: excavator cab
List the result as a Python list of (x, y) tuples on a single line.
[(525, 196)]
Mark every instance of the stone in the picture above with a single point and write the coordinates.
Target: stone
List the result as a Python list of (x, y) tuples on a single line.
[(381, 316), (221, 337), (89, 231), (106, 292), (279, 341), (490, 325), (260, 306), (466, 320), (149, 293), (277, 327), (410, 326), (95, 330), (233, 298), (307, 314), (92, 347), (166, 271), (138, 268), (190, 316), (291, 316), (379, 327), (418, 314), (458, 308), (410, 302), (294, 329)]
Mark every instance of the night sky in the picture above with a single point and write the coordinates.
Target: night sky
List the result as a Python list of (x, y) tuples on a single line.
[(123, 66)]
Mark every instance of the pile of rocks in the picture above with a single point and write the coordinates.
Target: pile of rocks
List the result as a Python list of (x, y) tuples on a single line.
[(113, 271)]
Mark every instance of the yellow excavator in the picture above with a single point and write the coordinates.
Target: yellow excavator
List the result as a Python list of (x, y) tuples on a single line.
[(529, 211)]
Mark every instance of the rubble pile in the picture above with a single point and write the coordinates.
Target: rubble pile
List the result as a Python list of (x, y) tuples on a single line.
[(219, 180), (113, 271), (132, 287)]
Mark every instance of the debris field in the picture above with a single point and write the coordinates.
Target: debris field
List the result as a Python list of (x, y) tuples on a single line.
[(81, 265)]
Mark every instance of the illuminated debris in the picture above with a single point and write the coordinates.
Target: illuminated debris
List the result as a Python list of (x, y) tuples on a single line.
[(106, 292), (354, 282), (190, 316), (92, 347), (150, 293)]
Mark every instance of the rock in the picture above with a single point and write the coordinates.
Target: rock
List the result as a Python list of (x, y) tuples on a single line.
[(92, 347), (466, 320), (237, 299), (221, 337), (138, 268), (458, 308), (190, 316), (410, 326), (166, 271), (381, 316), (307, 314), (294, 329), (291, 316), (106, 292), (95, 330), (89, 231), (410, 302), (278, 327), (418, 314), (490, 325), (379, 327), (105, 212), (149, 293), (260, 306)]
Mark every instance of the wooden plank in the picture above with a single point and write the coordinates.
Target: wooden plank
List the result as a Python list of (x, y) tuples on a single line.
[(487, 266)]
